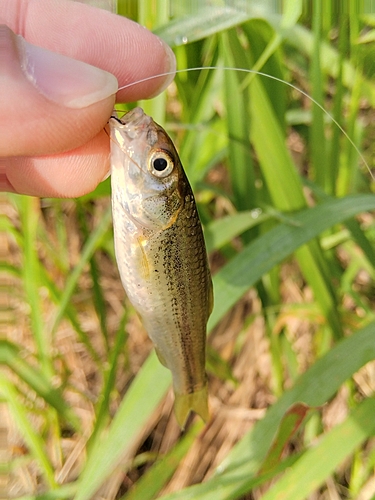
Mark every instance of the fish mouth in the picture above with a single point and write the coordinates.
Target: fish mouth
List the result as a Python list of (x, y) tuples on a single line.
[(134, 122), (136, 117)]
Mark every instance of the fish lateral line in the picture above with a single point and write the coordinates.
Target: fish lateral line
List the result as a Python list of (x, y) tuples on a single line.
[(266, 75)]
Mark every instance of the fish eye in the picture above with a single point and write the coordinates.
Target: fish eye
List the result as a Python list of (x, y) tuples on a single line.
[(160, 163)]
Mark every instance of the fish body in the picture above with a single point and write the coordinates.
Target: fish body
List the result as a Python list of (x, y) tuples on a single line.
[(161, 253)]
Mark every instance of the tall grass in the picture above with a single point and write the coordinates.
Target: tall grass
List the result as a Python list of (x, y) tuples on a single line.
[(288, 211)]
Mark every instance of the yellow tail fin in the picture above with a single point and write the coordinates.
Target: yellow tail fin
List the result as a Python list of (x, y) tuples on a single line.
[(185, 403)]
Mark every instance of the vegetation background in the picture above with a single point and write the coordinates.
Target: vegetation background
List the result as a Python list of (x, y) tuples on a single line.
[(288, 211)]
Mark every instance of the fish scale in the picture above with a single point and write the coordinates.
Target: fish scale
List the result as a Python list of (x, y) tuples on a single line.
[(161, 253)]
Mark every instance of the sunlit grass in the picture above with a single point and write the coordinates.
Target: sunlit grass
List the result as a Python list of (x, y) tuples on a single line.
[(288, 209)]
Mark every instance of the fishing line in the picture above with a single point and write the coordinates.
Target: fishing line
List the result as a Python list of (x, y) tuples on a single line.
[(275, 78)]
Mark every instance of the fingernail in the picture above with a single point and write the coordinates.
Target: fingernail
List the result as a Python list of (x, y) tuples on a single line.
[(106, 176), (66, 81), (170, 67)]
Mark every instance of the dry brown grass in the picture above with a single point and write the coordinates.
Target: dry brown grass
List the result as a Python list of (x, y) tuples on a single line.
[(241, 339)]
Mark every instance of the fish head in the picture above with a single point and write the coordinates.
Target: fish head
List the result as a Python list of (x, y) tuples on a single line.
[(146, 170)]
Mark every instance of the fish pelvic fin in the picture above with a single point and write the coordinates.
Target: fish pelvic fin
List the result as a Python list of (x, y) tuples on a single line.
[(195, 401), (161, 357)]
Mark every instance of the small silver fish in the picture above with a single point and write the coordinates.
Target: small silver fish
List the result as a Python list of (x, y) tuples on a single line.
[(161, 253)]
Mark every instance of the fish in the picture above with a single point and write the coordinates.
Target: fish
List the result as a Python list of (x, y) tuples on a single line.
[(161, 253)]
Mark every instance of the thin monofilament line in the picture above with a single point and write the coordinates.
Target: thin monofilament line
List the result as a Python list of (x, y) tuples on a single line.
[(252, 71)]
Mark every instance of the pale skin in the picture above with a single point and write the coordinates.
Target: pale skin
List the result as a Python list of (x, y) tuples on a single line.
[(53, 111)]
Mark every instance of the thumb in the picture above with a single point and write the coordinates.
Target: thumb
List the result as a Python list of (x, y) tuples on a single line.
[(49, 103)]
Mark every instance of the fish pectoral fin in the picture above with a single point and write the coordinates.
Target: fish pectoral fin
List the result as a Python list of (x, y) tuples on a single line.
[(161, 357), (141, 258), (196, 401)]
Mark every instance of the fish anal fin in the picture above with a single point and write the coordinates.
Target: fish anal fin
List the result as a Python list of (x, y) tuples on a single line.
[(196, 401)]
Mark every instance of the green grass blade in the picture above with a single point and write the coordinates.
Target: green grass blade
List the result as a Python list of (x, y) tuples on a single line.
[(32, 438), (6, 227), (98, 295), (155, 478), (36, 380), (302, 40), (206, 21), (362, 241), (268, 140), (334, 154), (140, 401), (91, 244), (265, 56), (315, 268), (65, 492), (205, 135), (222, 231), (292, 10), (285, 189), (353, 226), (289, 425), (238, 122), (153, 17), (259, 257), (317, 136), (348, 168), (29, 215), (235, 476), (71, 315), (103, 411), (318, 463)]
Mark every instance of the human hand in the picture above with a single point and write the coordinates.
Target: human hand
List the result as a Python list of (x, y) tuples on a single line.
[(53, 108)]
